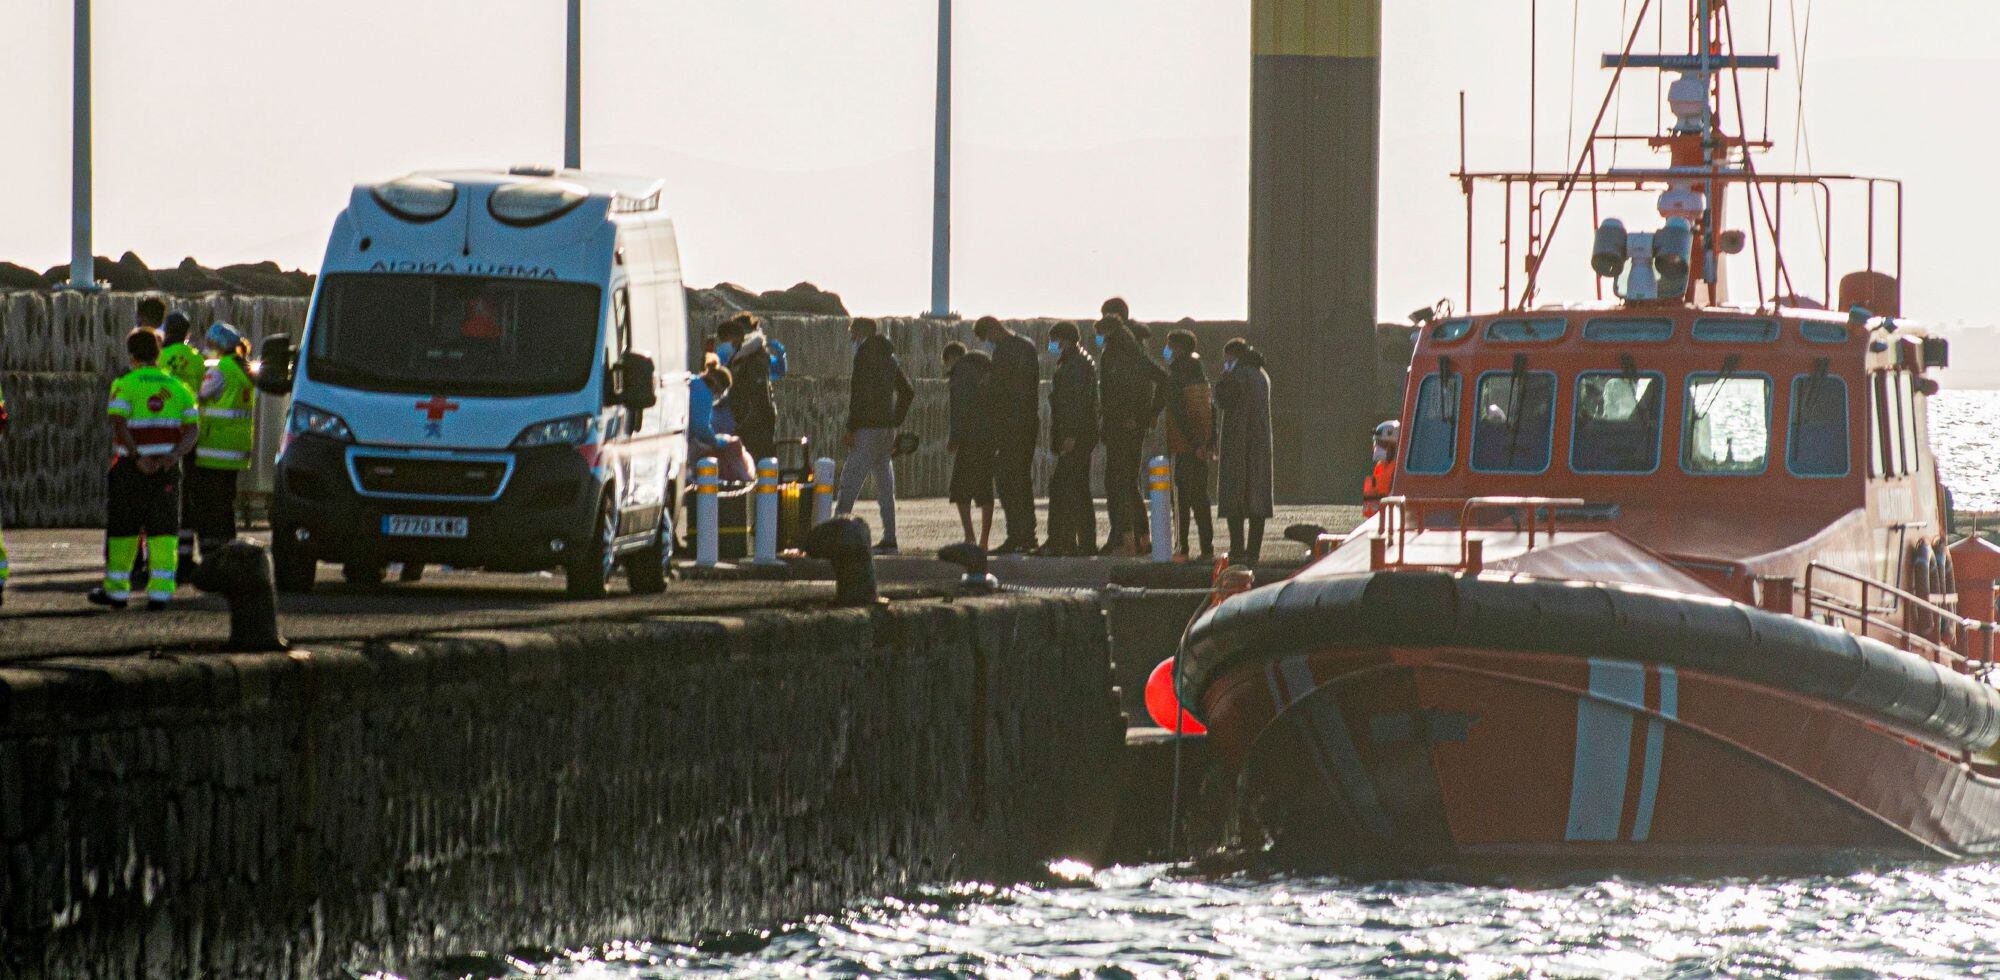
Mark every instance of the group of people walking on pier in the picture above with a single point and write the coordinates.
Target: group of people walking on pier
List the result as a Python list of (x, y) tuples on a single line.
[(1108, 390)]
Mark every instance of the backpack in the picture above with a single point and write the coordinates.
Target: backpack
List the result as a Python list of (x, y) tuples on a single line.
[(778, 364)]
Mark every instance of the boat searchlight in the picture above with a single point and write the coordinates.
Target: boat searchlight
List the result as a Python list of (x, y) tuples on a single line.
[(1647, 265)]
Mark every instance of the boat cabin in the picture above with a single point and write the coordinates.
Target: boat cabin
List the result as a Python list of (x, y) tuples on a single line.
[(1736, 444)]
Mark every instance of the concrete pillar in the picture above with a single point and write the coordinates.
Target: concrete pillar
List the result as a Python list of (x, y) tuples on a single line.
[(1316, 79)]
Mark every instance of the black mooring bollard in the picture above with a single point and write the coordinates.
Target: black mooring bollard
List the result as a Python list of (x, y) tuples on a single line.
[(843, 541), (240, 572), (971, 557)]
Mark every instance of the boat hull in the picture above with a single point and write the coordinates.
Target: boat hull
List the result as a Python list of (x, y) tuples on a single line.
[(1568, 751), (1412, 758)]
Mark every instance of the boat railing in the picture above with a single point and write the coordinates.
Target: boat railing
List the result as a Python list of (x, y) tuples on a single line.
[(1389, 547), (1904, 618)]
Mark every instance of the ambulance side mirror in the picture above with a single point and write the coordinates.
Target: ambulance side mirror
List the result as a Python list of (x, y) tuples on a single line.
[(274, 374), (637, 392)]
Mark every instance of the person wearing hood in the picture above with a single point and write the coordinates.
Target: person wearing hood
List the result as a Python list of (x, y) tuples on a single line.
[(754, 409), (228, 408), (1382, 479), (971, 439), (1073, 436), (879, 399), (1243, 394), (1132, 388), (1013, 397), (1191, 440)]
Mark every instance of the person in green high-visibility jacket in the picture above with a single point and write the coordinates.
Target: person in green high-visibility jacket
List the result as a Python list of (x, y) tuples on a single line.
[(181, 360), (228, 437), (153, 426), (178, 357)]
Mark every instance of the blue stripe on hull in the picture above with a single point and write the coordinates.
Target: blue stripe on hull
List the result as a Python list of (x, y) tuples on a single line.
[(1603, 750), (1656, 743)]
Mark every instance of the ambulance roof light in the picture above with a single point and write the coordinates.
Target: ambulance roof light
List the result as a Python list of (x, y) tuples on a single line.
[(416, 199), (535, 202)]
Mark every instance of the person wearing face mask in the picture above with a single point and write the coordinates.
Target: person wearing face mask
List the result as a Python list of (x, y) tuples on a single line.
[(1073, 436), (1013, 404), (1388, 436), (1191, 440), (1132, 389), (741, 347), (1243, 394), (879, 399)]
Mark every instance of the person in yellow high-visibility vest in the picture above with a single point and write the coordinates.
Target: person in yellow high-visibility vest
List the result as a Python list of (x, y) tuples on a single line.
[(180, 358), (3, 521), (153, 426), (228, 437)]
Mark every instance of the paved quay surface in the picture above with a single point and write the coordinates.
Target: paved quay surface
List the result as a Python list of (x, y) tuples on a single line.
[(45, 614)]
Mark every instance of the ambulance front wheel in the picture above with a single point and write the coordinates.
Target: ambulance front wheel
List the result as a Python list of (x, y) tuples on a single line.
[(591, 561), (291, 564), (647, 568)]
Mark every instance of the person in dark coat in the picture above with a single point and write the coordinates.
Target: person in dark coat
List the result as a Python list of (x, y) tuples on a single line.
[(879, 399), (1073, 436), (971, 440), (1132, 389), (1191, 440), (744, 350), (1243, 394), (1013, 399)]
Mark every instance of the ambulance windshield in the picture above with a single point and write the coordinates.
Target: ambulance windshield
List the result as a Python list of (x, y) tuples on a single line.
[(454, 335)]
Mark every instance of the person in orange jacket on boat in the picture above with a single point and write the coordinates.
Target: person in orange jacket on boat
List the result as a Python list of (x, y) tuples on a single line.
[(1388, 436)]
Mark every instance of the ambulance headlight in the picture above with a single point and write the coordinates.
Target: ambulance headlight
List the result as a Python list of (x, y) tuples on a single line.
[(573, 431), (307, 420), (534, 202), (417, 198)]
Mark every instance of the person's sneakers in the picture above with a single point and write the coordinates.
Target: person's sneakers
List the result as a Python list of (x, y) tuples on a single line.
[(99, 597), (887, 546), (1013, 547)]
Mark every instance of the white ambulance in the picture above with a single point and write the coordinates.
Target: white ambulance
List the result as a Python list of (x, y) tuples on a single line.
[(492, 376)]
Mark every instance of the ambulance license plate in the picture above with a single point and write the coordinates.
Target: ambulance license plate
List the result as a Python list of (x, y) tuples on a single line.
[(406, 526)]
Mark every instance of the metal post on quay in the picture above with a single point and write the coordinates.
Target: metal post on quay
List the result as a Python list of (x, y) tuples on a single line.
[(766, 548), (823, 475), (707, 512)]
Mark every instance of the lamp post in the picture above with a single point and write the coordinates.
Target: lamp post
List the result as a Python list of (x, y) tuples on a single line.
[(573, 91), (941, 175), (82, 267)]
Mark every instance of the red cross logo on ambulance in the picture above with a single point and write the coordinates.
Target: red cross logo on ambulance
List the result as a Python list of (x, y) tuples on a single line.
[(434, 411)]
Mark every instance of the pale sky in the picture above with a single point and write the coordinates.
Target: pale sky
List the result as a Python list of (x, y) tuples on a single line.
[(1101, 144)]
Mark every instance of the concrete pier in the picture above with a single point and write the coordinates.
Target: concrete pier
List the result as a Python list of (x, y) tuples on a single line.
[(372, 804)]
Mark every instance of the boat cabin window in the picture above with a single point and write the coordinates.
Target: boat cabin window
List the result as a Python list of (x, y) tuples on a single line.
[(1895, 454), (1875, 455), (1726, 424), (1821, 332), (1522, 330), (1817, 442), (1643, 330), (1433, 440), (1906, 399), (1731, 330), (1516, 422), (1617, 423), (1883, 428), (1449, 330)]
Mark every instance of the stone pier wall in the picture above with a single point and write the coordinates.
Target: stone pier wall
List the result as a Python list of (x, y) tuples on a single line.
[(376, 805)]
